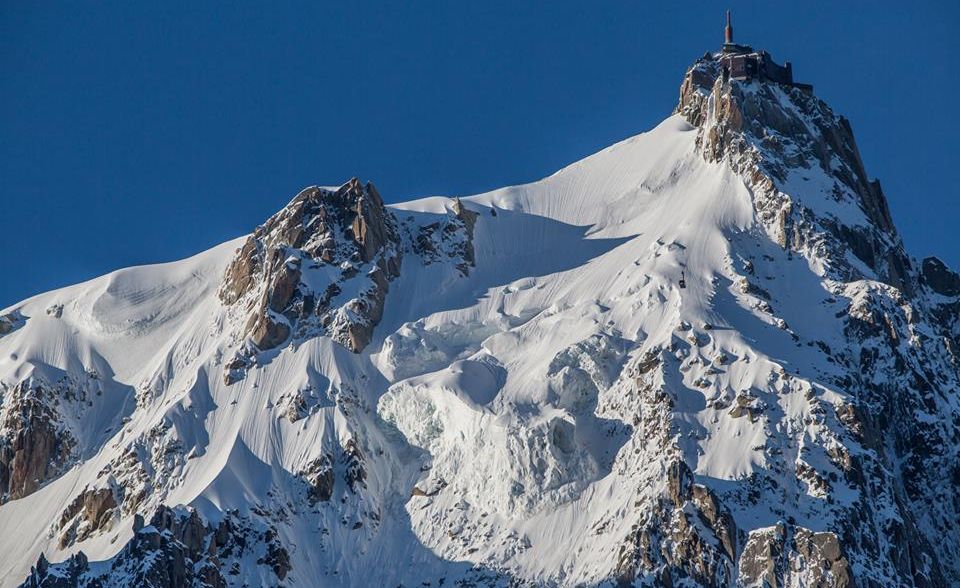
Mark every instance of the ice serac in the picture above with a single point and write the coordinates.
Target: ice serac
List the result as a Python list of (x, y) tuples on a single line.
[(700, 357)]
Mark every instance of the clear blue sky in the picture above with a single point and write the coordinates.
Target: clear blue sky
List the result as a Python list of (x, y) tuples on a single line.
[(138, 132)]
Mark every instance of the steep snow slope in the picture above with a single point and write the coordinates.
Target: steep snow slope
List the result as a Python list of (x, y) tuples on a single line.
[(698, 357)]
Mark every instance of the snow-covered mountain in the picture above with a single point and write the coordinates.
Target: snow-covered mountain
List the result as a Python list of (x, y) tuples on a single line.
[(698, 357)]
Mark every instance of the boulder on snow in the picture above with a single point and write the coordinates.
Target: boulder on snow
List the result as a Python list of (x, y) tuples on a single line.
[(746, 404)]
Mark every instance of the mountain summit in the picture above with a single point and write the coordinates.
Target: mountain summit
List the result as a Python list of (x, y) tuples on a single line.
[(700, 357)]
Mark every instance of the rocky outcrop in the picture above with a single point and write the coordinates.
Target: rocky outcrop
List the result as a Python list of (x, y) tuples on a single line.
[(140, 475), (91, 512), (322, 266), (813, 197), (788, 555), (774, 135), (289, 277), (449, 239), (35, 446), (10, 322), (321, 473), (744, 404), (695, 552), (319, 476), (177, 549), (689, 537), (940, 278), (68, 574), (469, 220), (355, 471)]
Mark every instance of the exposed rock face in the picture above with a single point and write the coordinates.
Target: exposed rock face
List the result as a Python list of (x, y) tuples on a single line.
[(778, 138), (177, 549), (35, 446), (698, 524), (290, 276), (91, 512), (686, 535), (324, 474), (469, 220), (449, 239), (746, 405), (355, 473), (9, 323), (773, 143), (67, 574), (320, 476), (323, 266), (787, 555), (940, 278)]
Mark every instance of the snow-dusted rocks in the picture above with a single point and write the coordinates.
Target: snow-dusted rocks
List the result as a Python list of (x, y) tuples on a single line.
[(178, 548), (319, 475), (535, 399), (814, 199), (322, 265), (450, 238), (940, 278), (36, 442), (790, 556), (811, 190), (90, 512), (9, 322)]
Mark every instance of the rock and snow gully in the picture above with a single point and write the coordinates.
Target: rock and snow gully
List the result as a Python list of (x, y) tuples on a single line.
[(511, 388)]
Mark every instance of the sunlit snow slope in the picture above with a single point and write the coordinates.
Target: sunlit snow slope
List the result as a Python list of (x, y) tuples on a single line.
[(698, 357)]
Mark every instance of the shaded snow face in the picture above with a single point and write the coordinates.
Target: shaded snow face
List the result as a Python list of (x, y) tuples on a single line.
[(539, 398)]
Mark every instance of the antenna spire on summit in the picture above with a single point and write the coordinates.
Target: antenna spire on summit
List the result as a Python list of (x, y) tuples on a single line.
[(742, 62)]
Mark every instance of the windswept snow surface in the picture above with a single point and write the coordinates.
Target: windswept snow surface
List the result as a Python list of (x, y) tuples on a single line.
[(489, 408)]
